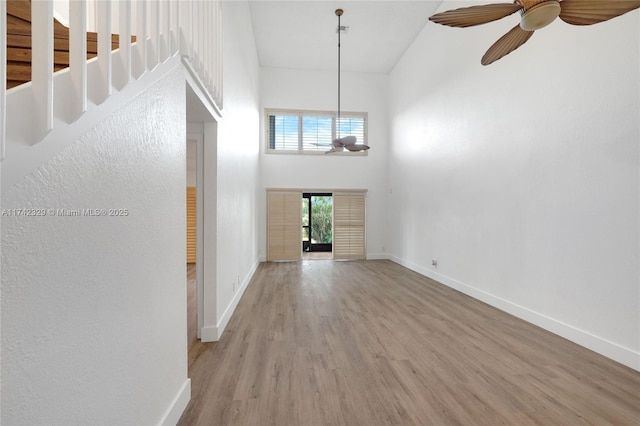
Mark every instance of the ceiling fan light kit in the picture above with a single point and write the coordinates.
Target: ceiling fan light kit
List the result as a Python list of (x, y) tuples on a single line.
[(535, 14)]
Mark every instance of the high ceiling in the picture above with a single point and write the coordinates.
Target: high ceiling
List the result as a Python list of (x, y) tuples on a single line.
[(302, 34)]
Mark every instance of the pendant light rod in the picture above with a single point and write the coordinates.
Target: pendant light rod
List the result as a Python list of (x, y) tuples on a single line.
[(350, 143), (339, 13)]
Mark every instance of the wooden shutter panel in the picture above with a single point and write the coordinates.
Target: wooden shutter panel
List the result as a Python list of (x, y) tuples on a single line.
[(191, 224), (284, 235), (348, 225)]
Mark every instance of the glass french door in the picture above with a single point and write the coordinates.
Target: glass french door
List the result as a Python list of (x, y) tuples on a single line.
[(317, 222)]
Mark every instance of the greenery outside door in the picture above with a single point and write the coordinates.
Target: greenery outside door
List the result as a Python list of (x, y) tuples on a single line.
[(317, 213)]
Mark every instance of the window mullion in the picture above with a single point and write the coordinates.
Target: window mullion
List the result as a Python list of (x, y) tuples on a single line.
[(311, 130)]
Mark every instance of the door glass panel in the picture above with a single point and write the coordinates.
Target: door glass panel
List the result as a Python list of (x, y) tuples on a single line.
[(321, 211), (305, 212)]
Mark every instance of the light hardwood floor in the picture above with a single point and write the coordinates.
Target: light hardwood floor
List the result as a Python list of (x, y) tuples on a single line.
[(373, 343), (317, 255)]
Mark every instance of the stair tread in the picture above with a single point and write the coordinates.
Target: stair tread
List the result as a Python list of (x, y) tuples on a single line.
[(19, 43)]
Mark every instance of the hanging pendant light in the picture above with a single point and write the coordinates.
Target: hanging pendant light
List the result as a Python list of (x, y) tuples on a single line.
[(347, 142)]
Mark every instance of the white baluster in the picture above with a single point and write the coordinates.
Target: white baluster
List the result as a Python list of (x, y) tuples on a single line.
[(195, 61), (42, 65), (166, 34), (141, 38), (104, 50), (78, 55), (125, 39), (3, 76), (154, 35), (206, 54), (174, 14), (214, 43), (193, 10), (184, 28), (219, 52), (214, 57), (202, 38), (216, 39)]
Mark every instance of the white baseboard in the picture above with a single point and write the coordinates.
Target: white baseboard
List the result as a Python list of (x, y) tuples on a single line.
[(226, 316), (597, 344), (178, 405), (213, 333), (378, 256), (209, 334)]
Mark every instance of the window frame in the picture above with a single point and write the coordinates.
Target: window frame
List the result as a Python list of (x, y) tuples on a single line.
[(313, 113)]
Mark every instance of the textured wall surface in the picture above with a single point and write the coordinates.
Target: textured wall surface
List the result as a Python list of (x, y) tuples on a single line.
[(237, 240), (94, 307), (521, 178)]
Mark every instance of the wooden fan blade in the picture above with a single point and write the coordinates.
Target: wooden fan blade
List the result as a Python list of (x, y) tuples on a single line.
[(347, 140), (588, 12), (354, 148), (475, 15), (509, 42), (335, 149)]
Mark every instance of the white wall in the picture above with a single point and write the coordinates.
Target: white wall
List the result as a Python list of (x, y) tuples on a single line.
[(191, 163), (522, 178), (94, 308), (317, 90), (237, 174)]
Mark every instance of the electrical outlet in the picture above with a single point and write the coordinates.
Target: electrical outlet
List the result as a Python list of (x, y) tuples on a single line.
[(434, 263)]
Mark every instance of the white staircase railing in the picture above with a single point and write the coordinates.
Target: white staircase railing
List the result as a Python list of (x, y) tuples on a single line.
[(163, 29), (3, 76)]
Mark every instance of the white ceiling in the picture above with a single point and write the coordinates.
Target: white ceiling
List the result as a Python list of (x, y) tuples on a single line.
[(302, 34)]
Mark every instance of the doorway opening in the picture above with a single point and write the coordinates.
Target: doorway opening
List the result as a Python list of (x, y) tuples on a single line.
[(202, 132), (192, 237), (317, 225)]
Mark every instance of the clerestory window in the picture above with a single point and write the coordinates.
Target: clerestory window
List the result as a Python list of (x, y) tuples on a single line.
[(311, 132)]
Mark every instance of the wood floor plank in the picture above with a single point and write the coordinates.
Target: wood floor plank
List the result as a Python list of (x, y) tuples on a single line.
[(373, 343)]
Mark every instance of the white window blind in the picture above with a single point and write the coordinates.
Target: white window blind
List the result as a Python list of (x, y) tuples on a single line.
[(350, 126), (284, 225), (311, 132), (317, 133), (349, 240), (283, 132)]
